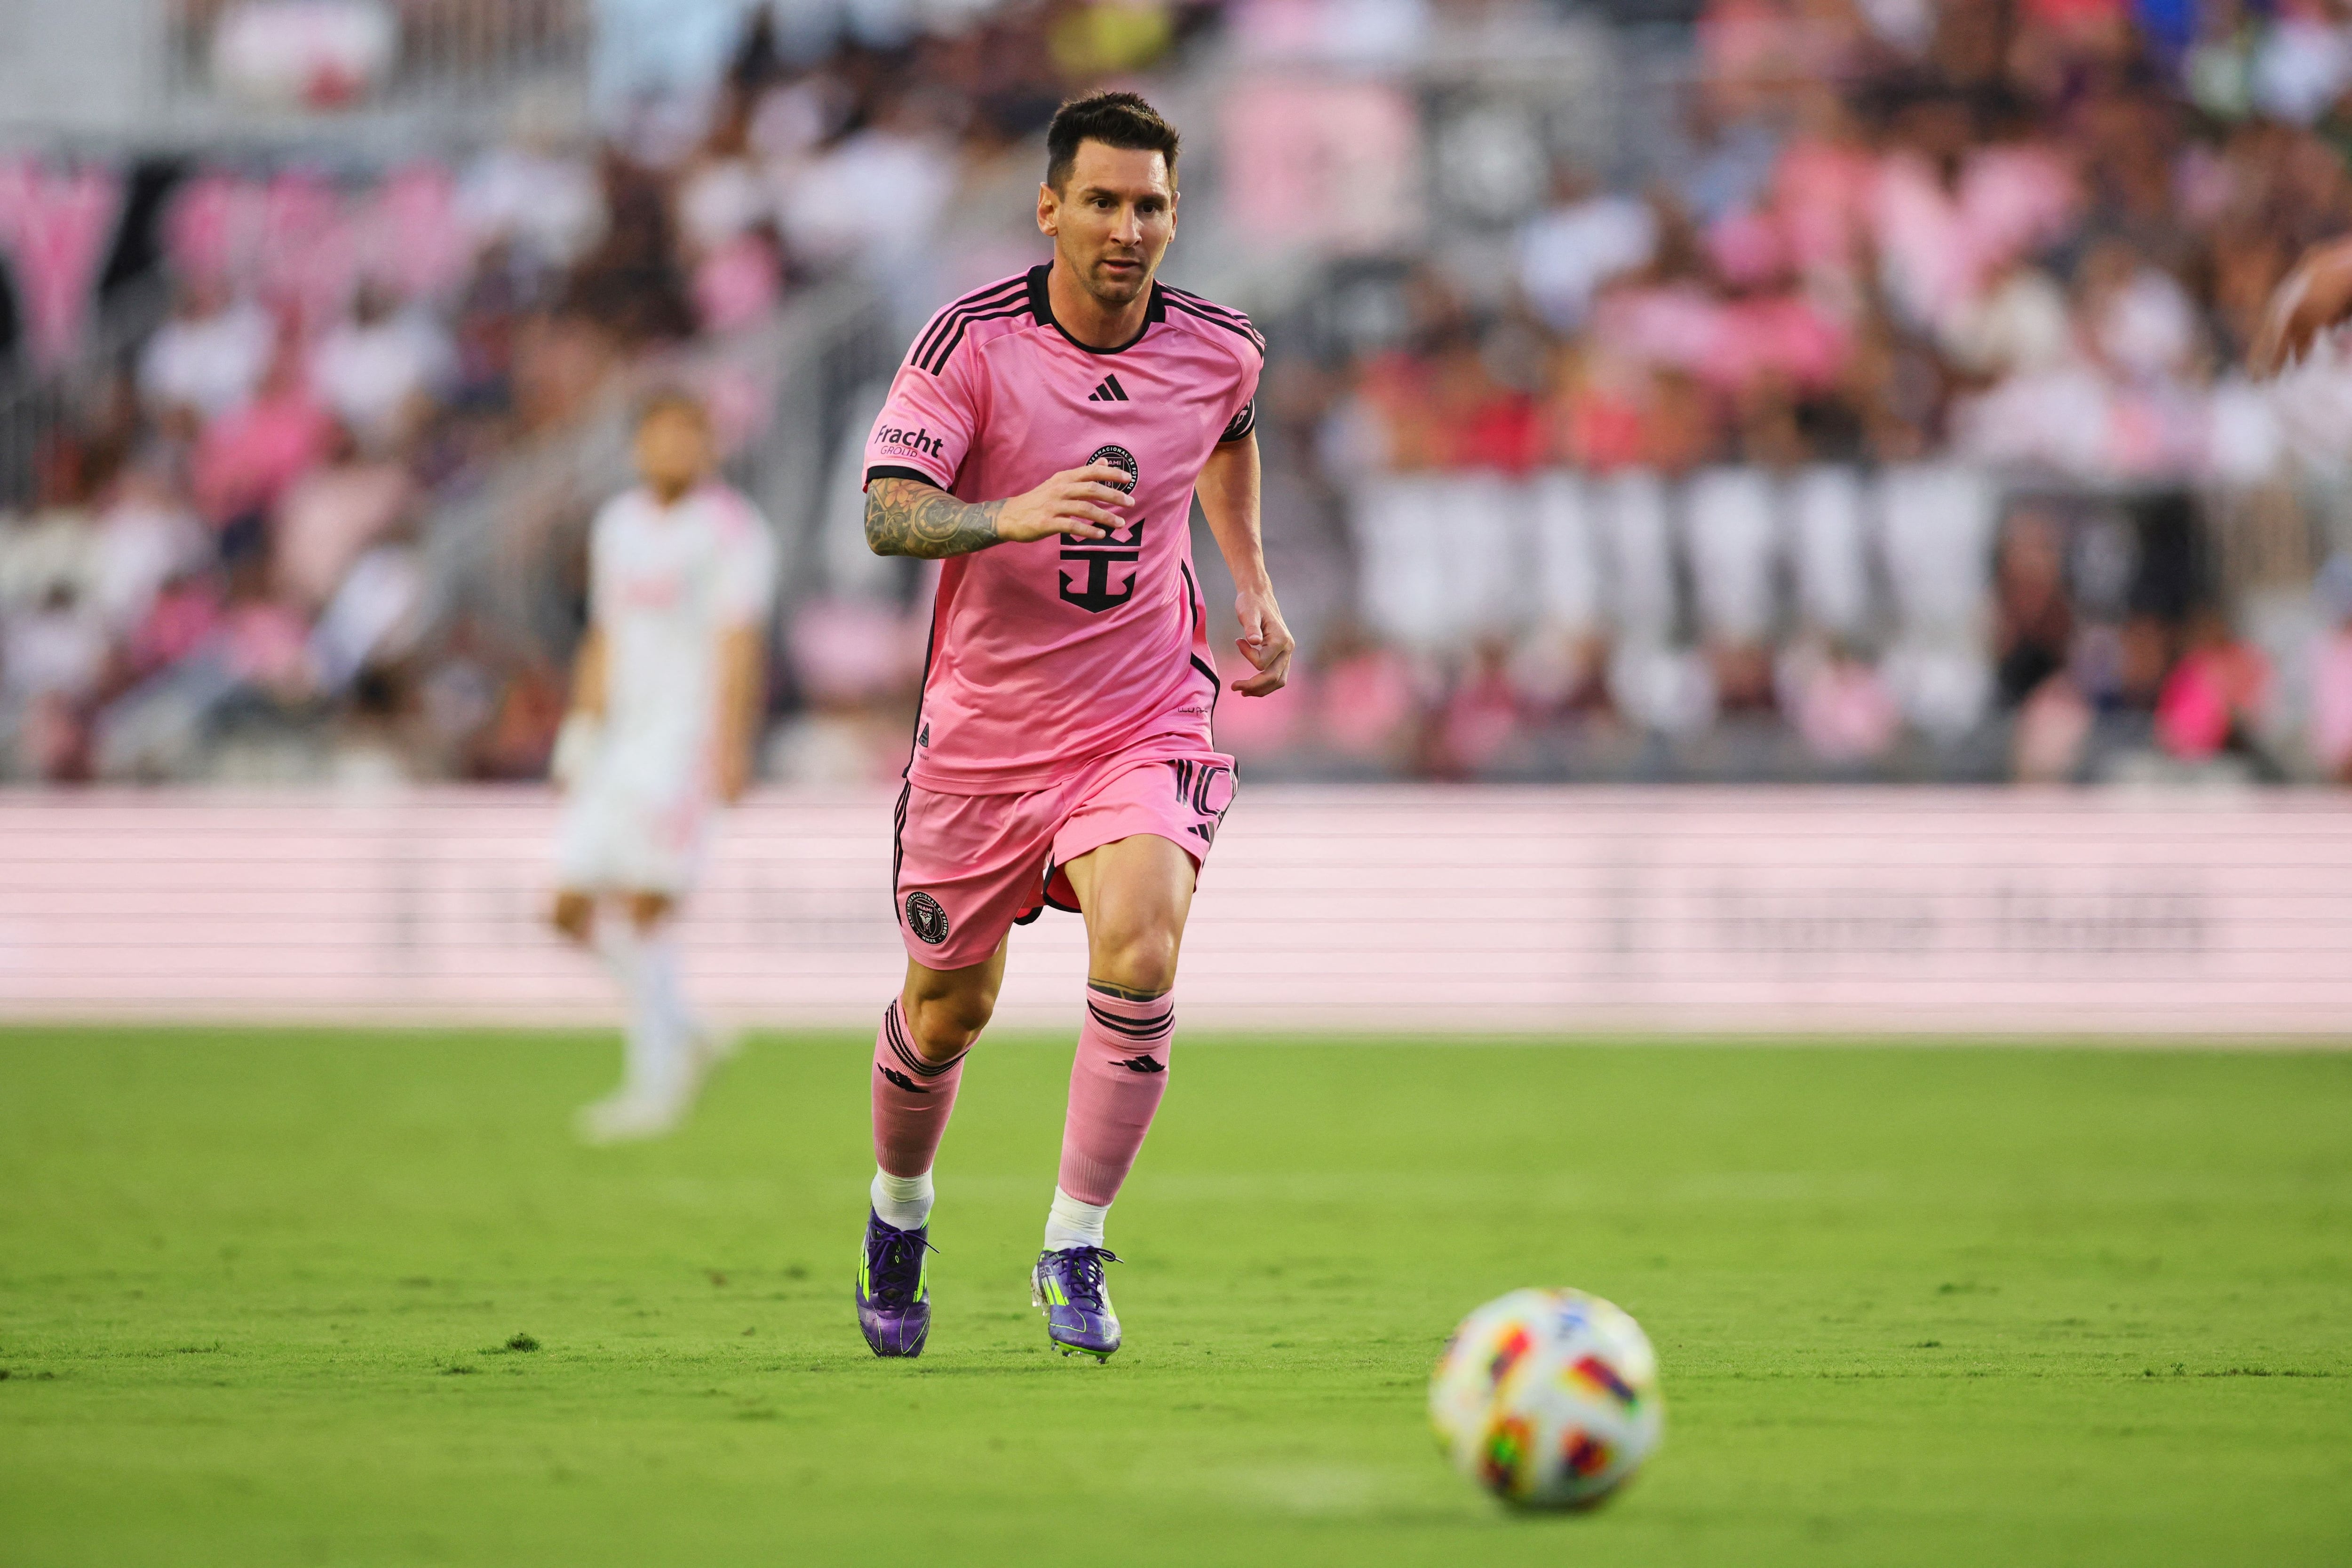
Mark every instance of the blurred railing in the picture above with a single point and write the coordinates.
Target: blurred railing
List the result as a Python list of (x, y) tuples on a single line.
[(394, 75), (432, 53)]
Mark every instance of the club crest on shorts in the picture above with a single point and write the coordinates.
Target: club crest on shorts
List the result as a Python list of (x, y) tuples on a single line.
[(1120, 457), (925, 919)]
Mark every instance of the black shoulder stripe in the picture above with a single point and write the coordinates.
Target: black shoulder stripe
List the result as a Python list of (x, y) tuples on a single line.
[(944, 322), (941, 355), (1239, 329), (995, 294), (1205, 303), (1211, 308)]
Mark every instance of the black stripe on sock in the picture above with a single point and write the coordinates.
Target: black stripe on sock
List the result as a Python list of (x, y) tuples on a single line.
[(1134, 1029), (911, 1059)]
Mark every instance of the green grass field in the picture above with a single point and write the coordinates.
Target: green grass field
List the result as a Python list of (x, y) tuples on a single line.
[(1914, 1306)]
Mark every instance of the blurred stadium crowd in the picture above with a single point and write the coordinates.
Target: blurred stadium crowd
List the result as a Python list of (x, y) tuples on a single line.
[(1798, 389)]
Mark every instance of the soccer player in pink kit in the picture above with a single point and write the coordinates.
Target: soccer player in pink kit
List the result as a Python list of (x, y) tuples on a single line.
[(1045, 437)]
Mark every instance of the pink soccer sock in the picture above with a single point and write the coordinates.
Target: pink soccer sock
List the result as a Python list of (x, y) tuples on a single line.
[(1115, 1087), (912, 1098)]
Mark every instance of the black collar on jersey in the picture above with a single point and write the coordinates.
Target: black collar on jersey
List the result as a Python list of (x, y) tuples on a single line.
[(1041, 306)]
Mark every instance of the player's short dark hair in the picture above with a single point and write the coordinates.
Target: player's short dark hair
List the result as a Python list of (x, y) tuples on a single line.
[(1121, 120)]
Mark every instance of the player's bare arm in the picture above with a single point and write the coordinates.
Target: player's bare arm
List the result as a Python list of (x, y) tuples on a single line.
[(907, 516), (740, 693), (2314, 298), (1229, 499), (588, 676)]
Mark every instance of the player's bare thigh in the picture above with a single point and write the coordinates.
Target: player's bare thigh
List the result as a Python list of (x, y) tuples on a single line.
[(1136, 893), (946, 1009), (574, 912)]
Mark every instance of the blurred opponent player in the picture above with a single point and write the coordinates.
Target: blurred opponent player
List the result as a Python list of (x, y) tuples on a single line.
[(1045, 436), (666, 705)]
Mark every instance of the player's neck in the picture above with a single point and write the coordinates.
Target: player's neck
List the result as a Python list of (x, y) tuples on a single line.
[(1087, 318), (670, 495)]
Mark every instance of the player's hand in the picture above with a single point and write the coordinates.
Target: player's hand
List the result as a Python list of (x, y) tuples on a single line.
[(1083, 503), (2316, 296), (1264, 641)]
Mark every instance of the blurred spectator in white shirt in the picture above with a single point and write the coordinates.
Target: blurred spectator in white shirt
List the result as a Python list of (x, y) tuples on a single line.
[(829, 212), (58, 648), (372, 368), (373, 617), (2303, 64), (2019, 326), (144, 537), (2141, 320), (1587, 237), (210, 355), (548, 208)]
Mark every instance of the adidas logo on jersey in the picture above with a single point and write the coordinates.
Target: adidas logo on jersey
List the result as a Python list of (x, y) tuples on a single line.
[(1110, 390)]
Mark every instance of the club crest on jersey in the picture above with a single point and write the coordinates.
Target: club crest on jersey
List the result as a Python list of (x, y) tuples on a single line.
[(1119, 457), (925, 919)]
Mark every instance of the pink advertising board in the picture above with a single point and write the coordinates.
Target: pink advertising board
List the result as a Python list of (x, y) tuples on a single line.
[(1331, 910)]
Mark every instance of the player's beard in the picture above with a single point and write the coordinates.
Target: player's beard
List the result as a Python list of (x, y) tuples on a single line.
[(1119, 287)]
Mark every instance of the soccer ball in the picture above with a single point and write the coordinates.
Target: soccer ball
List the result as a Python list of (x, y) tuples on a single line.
[(1548, 1398)]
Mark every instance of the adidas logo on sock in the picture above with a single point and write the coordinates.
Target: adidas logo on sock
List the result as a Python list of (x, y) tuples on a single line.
[(1109, 391), (1143, 1064)]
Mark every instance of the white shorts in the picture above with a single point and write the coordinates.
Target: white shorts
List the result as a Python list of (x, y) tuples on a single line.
[(620, 836)]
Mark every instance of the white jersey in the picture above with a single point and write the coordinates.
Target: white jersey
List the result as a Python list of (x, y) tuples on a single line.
[(666, 583)]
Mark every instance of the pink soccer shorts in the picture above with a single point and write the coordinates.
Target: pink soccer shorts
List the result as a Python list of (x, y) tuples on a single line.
[(970, 867)]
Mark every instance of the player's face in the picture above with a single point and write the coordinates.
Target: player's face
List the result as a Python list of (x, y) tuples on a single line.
[(673, 451), (1112, 219)]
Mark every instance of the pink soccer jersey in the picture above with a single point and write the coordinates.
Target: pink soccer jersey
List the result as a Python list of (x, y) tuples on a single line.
[(1048, 655)]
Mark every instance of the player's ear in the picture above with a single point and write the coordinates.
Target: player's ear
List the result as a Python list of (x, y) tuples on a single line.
[(1049, 210)]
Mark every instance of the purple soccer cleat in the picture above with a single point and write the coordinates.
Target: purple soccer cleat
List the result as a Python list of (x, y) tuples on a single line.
[(894, 1301), (1068, 1285)]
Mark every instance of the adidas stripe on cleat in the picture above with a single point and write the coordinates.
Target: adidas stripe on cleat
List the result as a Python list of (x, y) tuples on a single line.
[(1067, 1286), (894, 1294)]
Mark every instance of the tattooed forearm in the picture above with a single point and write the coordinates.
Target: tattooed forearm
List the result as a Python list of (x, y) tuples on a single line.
[(907, 516)]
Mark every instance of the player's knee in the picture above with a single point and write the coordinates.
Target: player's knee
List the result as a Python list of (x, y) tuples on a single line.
[(1141, 958), (944, 1027)]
